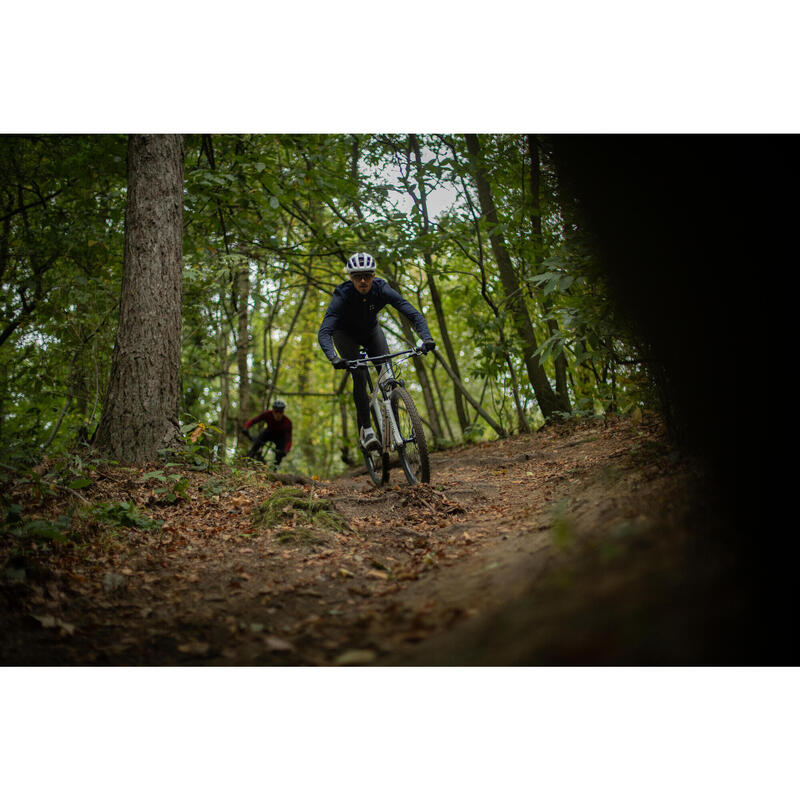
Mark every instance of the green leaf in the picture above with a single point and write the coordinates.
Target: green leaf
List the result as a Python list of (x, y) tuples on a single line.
[(44, 529), (157, 474)]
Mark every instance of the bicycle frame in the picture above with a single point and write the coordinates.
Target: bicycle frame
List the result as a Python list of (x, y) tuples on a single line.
[(380, 394)]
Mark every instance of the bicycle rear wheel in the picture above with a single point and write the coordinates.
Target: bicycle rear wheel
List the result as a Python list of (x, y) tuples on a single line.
[(377, 461), (413, 453)]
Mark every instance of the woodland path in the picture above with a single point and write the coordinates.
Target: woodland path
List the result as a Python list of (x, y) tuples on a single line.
[(558, 547)]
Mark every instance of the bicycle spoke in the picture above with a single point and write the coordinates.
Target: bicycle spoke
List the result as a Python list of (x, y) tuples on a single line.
[(413, 453)]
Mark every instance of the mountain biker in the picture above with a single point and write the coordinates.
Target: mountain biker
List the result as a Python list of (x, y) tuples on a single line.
[(278, 430), (351, 322)]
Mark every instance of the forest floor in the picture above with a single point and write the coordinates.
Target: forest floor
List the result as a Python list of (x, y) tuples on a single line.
[(565, 546)]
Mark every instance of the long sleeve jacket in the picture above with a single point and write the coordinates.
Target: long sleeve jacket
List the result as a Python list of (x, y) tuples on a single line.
[(273, 425), (357, 314)]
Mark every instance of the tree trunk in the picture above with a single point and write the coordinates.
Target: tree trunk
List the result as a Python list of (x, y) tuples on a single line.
[(493, 423), (560, 362), (225, 397), (140, 414), (436, 300), (422, 378), (346, 456), (441, 402), (242, 349), (514, 299)]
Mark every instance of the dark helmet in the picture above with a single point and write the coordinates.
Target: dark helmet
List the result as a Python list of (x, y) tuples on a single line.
[(279, 405)]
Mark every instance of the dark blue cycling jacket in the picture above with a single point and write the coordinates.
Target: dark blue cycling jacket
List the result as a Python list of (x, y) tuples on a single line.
[(357, 314)]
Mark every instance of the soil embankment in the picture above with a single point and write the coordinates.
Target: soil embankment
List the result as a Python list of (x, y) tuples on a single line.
[(566, 546)]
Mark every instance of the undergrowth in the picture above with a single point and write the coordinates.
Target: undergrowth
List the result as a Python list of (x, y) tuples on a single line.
[(298, 516)]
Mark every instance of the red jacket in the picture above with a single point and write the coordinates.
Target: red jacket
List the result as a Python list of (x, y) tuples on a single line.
[(274, 426)]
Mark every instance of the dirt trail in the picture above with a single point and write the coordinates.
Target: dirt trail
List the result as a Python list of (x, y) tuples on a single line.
[(553, 547)]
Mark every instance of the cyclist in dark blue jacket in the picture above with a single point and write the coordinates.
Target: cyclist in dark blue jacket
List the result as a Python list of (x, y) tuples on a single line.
[(351, 322)]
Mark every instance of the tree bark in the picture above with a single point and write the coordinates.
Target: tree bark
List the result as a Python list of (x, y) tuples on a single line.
[(479, 261), (519, 313), (140, 413), (560, 362), (436, 300), (422, 378), (225, 397), (242, 349), (440, 396)]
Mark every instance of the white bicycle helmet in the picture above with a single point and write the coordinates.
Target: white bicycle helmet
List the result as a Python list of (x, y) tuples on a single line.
[(360, 262)]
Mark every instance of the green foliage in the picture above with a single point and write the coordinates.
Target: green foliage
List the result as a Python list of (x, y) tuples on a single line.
[(174, 487), (197, 451), (288, 209), (124, 514), (213, 488), (62, 201), (33, 528)]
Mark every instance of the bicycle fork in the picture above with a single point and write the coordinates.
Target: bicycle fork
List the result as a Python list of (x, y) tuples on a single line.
[(391, 438)]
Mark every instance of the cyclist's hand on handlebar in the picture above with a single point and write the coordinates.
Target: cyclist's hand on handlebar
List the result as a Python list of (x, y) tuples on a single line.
[(340, 363), (428, 345)]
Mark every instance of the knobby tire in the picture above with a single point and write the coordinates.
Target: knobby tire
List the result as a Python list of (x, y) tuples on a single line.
[(413, 454)]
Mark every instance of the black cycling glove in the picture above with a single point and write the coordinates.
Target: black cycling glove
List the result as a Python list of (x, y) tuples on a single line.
[(340, 363), (428, 345)]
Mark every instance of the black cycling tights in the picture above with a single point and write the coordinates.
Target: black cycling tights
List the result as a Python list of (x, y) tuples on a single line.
[(349, 347)]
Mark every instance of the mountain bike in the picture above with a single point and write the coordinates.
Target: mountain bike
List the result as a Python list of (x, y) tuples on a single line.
[(268, 454), (397, 424)]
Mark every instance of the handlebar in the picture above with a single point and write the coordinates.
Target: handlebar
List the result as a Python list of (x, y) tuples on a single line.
[(356, 363)]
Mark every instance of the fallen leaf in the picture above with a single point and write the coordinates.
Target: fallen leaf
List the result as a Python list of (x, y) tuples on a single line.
[(194, 648), (275, 643), (196, 434), (49, 621), (353, 658), (112, 581)]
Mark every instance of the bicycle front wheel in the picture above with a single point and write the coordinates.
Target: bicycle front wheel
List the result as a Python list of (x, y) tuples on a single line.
[(413, 453)]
